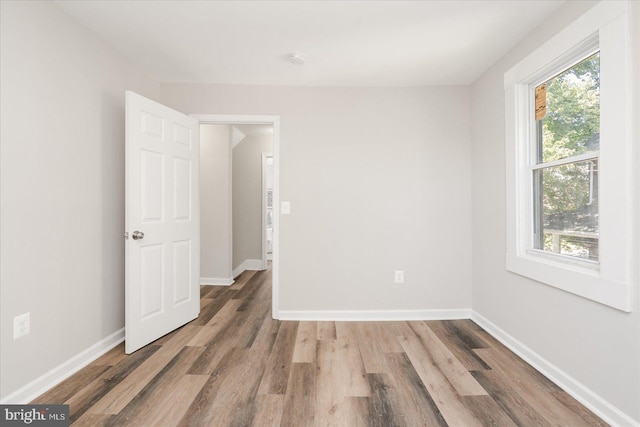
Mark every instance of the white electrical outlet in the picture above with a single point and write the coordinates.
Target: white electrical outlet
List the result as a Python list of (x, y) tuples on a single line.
[(399, 276), (21, 325)]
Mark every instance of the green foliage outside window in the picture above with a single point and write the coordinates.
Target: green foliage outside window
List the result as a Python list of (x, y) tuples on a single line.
[(571, 127), (572, 124)]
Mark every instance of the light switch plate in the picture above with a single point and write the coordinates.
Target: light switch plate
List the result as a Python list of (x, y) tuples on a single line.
[(285, 208), (399, 276)]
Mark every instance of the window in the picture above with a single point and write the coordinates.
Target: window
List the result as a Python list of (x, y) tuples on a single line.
[(565, 162), (568, 157)]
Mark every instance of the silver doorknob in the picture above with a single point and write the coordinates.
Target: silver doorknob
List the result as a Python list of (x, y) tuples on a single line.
[(137, 235)]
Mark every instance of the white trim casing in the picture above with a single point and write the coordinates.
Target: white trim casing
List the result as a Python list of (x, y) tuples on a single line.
[(375, 315), (216, 281), (575, 388), (63, 371), (275, 122), (606, 26)]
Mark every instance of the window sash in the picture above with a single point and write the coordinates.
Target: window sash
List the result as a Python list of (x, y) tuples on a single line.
[(535, 242), (591, 155)]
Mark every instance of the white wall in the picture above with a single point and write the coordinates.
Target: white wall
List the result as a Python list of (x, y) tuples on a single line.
[(247, 197), (215, 202), (596, 345), (378, 179), (370, 173), (62, 188)]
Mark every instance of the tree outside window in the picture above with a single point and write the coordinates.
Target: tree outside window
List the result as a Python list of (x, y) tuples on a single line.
[(565, 176)]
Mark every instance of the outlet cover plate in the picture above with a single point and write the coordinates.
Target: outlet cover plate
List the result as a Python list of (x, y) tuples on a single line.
[(21, 325)]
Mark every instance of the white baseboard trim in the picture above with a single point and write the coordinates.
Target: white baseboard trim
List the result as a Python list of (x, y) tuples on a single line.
[(61, 372), (579, 391), (248, 264), (375, 315), (217, 281)]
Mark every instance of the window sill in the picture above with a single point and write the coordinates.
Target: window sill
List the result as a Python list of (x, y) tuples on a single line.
[(575, 279)]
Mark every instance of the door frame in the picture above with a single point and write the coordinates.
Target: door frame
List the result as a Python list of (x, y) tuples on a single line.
[(274, 121)]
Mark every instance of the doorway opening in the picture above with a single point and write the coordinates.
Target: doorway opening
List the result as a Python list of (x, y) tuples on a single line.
[(240, 210)]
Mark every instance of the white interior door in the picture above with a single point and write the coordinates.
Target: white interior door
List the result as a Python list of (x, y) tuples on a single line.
[(162, 221)]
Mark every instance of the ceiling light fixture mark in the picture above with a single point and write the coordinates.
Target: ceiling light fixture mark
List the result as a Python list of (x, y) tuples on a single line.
[(297, 58)]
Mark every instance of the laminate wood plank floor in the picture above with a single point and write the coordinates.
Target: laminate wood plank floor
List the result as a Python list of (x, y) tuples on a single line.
[(235, 366)]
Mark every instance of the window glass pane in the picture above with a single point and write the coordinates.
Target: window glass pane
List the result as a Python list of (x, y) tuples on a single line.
[(567, 209), (571, 122)]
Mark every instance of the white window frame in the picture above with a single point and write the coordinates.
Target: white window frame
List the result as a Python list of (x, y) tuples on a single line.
[(603, 28)]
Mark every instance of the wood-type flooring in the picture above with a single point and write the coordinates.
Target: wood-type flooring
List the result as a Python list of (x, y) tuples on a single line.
[(235, 366)]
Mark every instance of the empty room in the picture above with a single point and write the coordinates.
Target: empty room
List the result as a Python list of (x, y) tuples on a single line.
[(320, 213)]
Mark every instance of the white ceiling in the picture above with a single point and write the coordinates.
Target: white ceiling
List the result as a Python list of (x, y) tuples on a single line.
[(347, 43)]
